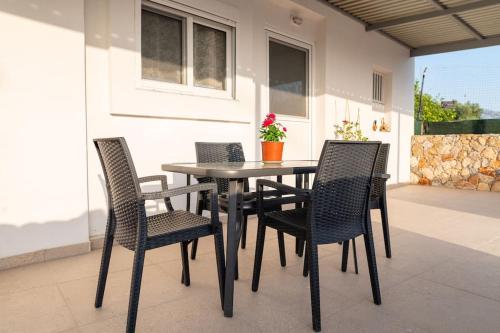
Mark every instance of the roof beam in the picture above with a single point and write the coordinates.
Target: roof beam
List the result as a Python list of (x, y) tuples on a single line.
[(443, 11), (457, 18), (357, 19), (455, 46)]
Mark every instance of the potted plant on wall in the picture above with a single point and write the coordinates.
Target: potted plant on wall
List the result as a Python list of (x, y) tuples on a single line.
[(349, 130), (272, 134)]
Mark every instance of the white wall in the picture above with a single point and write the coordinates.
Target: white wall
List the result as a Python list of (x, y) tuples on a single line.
[(43, 177), (161, 126)]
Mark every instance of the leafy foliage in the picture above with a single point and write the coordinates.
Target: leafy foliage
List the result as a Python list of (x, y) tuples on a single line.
[(272, 130), (468, 111), (431, 107), (434, 112)]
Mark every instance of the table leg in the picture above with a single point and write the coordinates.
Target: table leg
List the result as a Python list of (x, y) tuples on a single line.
[(233, 219), (299, 244)]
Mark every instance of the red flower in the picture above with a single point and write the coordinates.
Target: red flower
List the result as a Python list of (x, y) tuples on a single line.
[(271, 116), (284, 129), (267, 122)]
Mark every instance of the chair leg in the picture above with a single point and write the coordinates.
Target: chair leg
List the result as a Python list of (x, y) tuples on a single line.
[(372, 266), (355, 255), (194, 248), (314, 286), (301, 248), (281, 246), (385, 226), (105, 259), (221, 266), (199, 211), (345, 255), (296, 245), (307, 260), (186, 279), (236, 269), (135, 288), (244, 232), (259, 251)]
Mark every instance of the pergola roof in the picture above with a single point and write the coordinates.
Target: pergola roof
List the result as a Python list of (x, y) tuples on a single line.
[(428, 26)]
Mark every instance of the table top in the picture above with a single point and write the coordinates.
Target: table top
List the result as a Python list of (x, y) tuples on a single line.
[(242, 169)]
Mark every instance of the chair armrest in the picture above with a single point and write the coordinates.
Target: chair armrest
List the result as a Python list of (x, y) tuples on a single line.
[(212, 187), (281, 188), (303, 194), (156, 178), (383, 176)]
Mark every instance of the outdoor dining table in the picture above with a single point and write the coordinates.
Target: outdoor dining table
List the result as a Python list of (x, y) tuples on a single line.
[(236, 172)]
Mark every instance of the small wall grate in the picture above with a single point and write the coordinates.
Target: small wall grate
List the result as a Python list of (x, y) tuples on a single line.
[(378, 87)]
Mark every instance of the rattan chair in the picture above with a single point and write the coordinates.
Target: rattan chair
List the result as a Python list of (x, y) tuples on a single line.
[(338, 210), (214, 152), (378, 200), (129, 225), (378, 196)]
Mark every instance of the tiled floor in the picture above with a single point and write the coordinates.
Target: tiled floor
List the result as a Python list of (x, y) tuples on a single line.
[(444, 277)]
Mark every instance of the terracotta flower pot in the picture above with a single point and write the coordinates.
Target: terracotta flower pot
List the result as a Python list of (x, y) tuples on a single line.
[(272, 152)]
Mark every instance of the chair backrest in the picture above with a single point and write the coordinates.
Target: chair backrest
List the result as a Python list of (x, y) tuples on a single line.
[(217, 152), (123, 187), (341, 190), (378, 186)]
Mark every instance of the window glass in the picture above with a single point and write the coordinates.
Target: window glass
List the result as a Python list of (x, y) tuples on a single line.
[(162, 47), (288, 79), (209, 52)]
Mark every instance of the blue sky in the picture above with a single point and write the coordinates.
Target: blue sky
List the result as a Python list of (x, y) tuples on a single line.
[(471, 75)]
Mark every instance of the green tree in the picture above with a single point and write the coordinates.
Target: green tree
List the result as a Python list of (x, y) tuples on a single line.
[(468, 111), (431, 107)]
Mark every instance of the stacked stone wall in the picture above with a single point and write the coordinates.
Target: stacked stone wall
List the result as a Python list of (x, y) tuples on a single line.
[(465, 161)]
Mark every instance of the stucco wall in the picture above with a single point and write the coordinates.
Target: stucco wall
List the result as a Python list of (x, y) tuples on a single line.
[(43, 169), (62, 58), (465, 161)]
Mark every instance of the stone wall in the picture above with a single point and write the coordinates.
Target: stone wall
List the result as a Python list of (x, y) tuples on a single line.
[(465, 161)]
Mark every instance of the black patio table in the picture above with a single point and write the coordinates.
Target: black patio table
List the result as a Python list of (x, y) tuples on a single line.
[(236, 172)]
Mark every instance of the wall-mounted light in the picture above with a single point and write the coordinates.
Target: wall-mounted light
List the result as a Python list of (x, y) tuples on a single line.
[(296, 20)]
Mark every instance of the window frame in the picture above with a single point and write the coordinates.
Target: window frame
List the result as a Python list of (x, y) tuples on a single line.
[(189, 17)]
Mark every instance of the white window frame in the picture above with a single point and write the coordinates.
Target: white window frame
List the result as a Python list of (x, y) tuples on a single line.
[(190, 16), (292, 42)]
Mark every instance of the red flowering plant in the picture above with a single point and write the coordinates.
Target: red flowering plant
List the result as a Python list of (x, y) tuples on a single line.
[(272, 131)]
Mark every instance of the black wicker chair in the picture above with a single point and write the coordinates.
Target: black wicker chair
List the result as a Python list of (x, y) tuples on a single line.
[(213, 152), (337, 211), (131, 228), (378, 200)]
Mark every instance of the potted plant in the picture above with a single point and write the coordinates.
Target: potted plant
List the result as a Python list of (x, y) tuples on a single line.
[(272, 134), (349, 130)]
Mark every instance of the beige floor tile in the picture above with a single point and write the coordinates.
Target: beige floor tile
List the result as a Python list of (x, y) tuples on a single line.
[(157, 287), (190, 314), (26, 277), (439, 308), (39, 309), (367, 317), (478, 273)]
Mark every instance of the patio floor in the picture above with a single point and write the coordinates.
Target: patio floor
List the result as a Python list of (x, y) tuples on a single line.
[(444, 277)]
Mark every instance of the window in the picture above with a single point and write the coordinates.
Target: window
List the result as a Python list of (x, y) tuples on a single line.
[(209, 57), (162, 47), (378, 88), (191, 52), (288, 79)]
